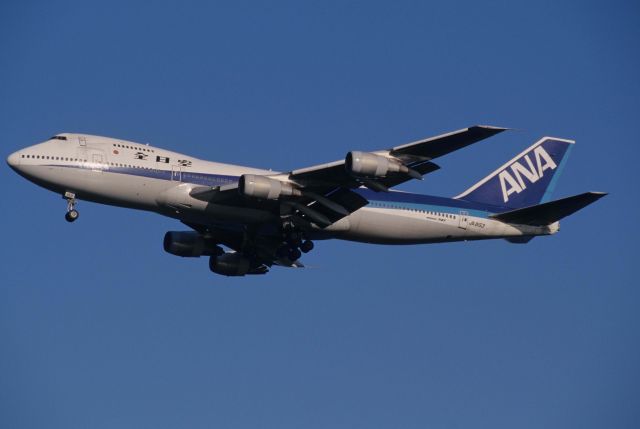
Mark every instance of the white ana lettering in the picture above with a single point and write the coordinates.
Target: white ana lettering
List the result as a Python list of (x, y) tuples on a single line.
[(541, 154), (530, 173), (506, 178), (509, 184)]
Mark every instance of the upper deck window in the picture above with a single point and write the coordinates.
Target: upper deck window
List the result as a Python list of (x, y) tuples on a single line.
[(58, 138)]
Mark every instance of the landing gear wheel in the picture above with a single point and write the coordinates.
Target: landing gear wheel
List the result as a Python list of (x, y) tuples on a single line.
[(294, 254), (71, 215), (306, 246)]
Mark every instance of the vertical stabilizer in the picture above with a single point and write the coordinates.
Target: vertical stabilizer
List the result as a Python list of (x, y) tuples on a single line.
[(526, 180)]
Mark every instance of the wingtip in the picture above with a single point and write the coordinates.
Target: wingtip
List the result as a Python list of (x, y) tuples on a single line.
[(493, 127)]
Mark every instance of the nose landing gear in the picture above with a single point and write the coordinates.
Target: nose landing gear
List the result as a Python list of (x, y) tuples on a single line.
[(72, 214)]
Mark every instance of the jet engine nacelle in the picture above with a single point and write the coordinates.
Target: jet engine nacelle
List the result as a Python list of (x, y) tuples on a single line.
[(230, 264), (365, 164), (266, 188), (189, 244)]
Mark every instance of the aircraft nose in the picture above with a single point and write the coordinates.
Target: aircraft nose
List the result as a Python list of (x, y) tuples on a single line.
[(13, 160)]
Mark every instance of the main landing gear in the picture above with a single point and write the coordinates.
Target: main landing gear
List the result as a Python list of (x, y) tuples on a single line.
[(72, 214), (294, 243)]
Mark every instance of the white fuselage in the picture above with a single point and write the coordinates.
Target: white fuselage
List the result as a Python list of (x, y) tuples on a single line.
[(133, 175)]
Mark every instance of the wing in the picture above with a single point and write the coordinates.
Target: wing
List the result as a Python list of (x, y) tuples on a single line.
[(323, 194), (435, 147), (320, 206), (415, 156)]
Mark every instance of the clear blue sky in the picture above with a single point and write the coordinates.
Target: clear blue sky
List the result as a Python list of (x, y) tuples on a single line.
[(99, 328)]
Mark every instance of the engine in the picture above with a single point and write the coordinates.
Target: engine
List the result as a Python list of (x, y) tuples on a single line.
[(189, 244), (365, 164), (230, 264), (266, 188)]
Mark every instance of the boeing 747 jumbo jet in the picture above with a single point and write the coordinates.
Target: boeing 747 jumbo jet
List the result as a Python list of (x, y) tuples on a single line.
[(266, 218)]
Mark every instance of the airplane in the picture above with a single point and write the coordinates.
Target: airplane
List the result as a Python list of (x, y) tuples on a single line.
[(265, 218)]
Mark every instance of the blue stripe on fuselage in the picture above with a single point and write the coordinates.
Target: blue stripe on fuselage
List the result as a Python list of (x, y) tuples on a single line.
[(205, 179), (391, 199), (406, 200)]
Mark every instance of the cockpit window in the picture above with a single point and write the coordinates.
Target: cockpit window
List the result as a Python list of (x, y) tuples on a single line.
[(58, 138)]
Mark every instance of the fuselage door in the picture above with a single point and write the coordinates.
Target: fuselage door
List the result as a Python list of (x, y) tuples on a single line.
[(97, 161), (463, 219), (176, 173), (82, 140)]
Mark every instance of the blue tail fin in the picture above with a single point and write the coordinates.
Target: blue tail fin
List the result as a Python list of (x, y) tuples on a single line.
[(526, 180)]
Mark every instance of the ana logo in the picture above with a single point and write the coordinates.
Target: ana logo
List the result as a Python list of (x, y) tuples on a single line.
[(513, 181)]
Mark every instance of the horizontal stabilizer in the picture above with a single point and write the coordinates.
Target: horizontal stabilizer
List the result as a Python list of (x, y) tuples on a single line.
[(548, 213)]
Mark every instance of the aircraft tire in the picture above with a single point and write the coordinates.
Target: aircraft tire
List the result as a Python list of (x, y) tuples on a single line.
[(294, 254), (71, 215), (306, 246)]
